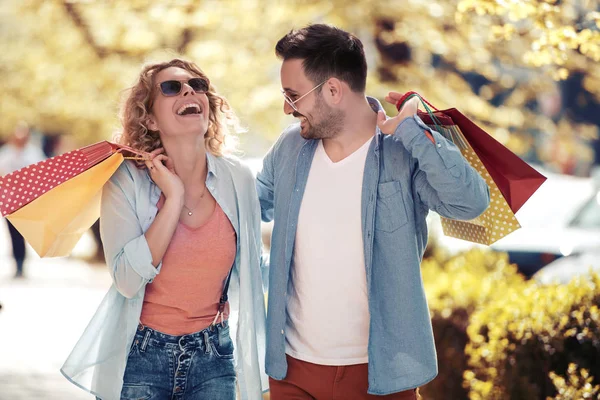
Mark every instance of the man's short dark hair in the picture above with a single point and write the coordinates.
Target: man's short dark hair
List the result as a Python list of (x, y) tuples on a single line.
[(326, 52)]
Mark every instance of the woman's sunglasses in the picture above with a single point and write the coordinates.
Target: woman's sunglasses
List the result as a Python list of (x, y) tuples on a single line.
[(174, 87)]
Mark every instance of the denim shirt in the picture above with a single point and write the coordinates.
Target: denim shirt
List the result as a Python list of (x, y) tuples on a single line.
[(405, 175), (129, 198)]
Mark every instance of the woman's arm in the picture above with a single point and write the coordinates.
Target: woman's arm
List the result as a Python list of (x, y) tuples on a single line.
[(127, 251), (134, 256)]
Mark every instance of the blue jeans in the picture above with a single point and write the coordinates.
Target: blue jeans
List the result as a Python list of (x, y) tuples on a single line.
[(189, 367)]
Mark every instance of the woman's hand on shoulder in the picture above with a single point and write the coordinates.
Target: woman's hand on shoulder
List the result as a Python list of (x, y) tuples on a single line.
[(162, 172)]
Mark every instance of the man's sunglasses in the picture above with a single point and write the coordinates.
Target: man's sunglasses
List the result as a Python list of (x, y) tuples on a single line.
[(174, 87)]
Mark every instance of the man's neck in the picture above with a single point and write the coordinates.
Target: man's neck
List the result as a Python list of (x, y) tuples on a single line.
[(359, 126)]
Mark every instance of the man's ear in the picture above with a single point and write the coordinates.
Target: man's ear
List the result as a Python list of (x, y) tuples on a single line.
[(334, 89)]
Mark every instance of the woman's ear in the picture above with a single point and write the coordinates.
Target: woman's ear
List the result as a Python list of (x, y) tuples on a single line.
[(152, 125)]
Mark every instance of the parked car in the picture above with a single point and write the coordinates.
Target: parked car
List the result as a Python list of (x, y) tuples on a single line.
[(562, 218), (533, 247), (566, 268)]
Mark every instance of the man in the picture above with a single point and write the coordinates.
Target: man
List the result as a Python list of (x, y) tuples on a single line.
[(19, 152), (349, 192)]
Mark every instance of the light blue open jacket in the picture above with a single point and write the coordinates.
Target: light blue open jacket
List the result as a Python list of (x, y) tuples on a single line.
[(97, 363)]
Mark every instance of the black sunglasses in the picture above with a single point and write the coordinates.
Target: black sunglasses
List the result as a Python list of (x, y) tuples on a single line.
[(173, 87)]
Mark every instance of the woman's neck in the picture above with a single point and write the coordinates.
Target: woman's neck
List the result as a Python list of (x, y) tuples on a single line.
[(189, 159)]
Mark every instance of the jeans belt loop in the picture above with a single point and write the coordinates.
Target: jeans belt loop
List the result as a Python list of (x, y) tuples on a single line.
[(146, 339), (206, 342)]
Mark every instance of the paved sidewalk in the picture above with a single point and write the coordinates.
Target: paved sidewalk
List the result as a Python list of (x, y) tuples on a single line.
[(42, 317)]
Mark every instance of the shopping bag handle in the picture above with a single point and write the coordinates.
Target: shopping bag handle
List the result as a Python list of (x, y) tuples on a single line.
[(137, 158), (141, 155), (409, 95)]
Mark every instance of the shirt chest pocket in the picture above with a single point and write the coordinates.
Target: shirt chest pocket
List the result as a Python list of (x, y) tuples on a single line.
[(390, 213)]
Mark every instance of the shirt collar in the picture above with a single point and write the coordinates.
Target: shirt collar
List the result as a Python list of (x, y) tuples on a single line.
[(374, 103), (211, 163), (376, 106)]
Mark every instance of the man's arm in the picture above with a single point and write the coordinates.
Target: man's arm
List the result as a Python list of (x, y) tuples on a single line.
[(265, 181), (445, 182), (265, 186)]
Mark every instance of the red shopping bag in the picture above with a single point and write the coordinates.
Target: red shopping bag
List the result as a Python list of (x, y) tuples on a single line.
[(516, 179)]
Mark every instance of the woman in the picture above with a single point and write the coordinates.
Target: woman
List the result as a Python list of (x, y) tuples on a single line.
[(172, 227)]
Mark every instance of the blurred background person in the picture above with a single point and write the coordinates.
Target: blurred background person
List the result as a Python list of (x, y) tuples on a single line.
[(19, 152)]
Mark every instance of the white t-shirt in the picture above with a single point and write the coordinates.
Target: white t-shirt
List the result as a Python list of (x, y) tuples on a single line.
[(327, 303)]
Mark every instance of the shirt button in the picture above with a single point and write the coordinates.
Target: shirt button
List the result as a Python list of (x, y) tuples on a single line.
[(439, 145), (282, 331)]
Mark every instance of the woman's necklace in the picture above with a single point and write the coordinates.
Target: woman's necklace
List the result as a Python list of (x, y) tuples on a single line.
[(191, 210)]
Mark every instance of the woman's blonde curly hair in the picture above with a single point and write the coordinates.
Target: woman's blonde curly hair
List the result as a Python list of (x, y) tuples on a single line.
[(137, 107)]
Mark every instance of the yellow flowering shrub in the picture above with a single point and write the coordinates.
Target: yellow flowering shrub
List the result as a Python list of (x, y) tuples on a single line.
[(455, 288), (579, 385), (499, 336), (522, 344), (466, 280)]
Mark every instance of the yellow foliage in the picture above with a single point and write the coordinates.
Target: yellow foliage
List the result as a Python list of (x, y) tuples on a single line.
[(467, 280), (494, 330), (546, 28), (65, 63), (579, 385), (530, 327), (456, 287)]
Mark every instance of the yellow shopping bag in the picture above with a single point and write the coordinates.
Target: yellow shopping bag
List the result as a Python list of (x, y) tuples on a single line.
[(54, 222), (54, 202), (495, 222)]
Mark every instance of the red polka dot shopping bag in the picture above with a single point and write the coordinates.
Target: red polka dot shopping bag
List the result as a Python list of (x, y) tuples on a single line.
[(54, 202), (510, 179)]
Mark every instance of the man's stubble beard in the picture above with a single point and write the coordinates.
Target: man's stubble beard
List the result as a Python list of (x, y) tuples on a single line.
[(330, 124)]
